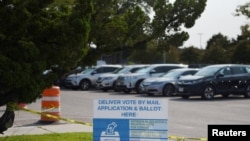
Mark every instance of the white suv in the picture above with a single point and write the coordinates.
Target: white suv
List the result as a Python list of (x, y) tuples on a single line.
[(87, 78), (129, 82), (107, 82)]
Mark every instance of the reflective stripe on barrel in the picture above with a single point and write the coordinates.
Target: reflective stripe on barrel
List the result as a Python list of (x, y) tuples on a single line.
[(51, 104)]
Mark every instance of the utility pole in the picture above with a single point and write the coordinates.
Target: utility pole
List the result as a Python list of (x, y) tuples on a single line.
[(200, 34)]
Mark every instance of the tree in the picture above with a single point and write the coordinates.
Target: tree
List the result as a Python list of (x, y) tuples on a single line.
[(242, 48), (36, 36), (190, 55), (153, 53), (241, 53), (124, 25), (215, 55), (219, 40)]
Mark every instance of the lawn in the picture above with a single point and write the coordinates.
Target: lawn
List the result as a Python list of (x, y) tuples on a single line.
[(78, 136)]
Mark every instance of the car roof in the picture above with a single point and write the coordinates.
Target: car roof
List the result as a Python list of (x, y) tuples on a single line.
[(183, 65), (135, 65), (184, 69), (109, 65), (224, 65)]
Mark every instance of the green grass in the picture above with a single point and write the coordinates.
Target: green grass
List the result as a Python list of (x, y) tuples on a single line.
[(78, 136)]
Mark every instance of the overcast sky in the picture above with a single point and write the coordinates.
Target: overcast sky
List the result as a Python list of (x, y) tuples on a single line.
[(217, 18)]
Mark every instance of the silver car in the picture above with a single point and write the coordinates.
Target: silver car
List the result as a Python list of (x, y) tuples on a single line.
[(165, 85), (107, 82)]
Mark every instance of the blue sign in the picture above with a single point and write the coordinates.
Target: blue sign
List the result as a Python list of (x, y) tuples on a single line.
[(130, 120)]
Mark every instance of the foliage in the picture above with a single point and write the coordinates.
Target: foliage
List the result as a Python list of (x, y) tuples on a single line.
[(34, 37), (190, 55), (241, 53), (243, 10), (215, 55), (149, 55), (172, 55), (218, 40), (129, 25)]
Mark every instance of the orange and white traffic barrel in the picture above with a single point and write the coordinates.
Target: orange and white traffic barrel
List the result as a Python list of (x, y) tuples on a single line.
[(51, 104)]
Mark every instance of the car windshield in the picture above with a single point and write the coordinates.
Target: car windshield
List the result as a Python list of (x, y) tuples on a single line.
[(144, 70), (171, 74), (86, 71), (120, 70), (208, 71)]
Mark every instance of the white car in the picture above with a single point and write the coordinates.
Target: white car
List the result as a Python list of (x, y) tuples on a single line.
[(87, 78), (166, 85), (107, 82), (129, 82)]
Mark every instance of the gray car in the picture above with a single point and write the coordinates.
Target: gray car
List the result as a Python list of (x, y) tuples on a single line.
[(165, 85), (107, 81)]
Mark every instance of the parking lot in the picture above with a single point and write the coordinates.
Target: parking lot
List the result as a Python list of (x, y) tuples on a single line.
[(187, 118)]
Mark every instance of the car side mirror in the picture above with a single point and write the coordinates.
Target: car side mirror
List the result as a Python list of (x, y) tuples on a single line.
[(94, 72), (220, 75), (152, 71)]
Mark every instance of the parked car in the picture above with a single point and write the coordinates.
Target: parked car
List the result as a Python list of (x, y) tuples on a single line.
[(129, 82), (223, 79), (87, 79), (107, 82), (166, 85)]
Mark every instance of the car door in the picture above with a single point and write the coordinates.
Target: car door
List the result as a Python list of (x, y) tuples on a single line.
[(223, 80), (239, 78), (101, 70), (157, 71)]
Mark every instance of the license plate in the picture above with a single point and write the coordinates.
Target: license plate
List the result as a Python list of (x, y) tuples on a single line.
[(119, 83), (181, 89)]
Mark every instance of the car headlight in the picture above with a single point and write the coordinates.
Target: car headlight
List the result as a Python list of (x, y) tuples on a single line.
[(107, 78), (126, 78), (130, 77), (197, 81), (146, 83), (157, 83)]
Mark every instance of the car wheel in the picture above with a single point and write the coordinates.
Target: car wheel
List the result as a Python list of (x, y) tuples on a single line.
[(139, 87), (126, 91), (150, 94), (114, 87), (104, 90), (168, 90), (185, 96), (74, 88), (85, 85), (247, 93), (225, 95), (208, 92)]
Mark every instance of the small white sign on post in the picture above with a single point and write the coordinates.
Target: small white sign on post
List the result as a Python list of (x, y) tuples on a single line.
[(130, 120)]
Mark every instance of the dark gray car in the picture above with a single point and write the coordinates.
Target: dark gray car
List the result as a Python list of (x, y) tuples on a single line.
[(223, 79), (165, 85)]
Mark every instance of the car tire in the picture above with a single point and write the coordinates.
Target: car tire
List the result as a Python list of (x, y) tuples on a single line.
[(138, 87), (114, 87), (208, 92), (247, 92), (168, 90), (225, 95), (85, 84), (104, 89), (185, 96), (74, 88), (126, 91), (150, 94)]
